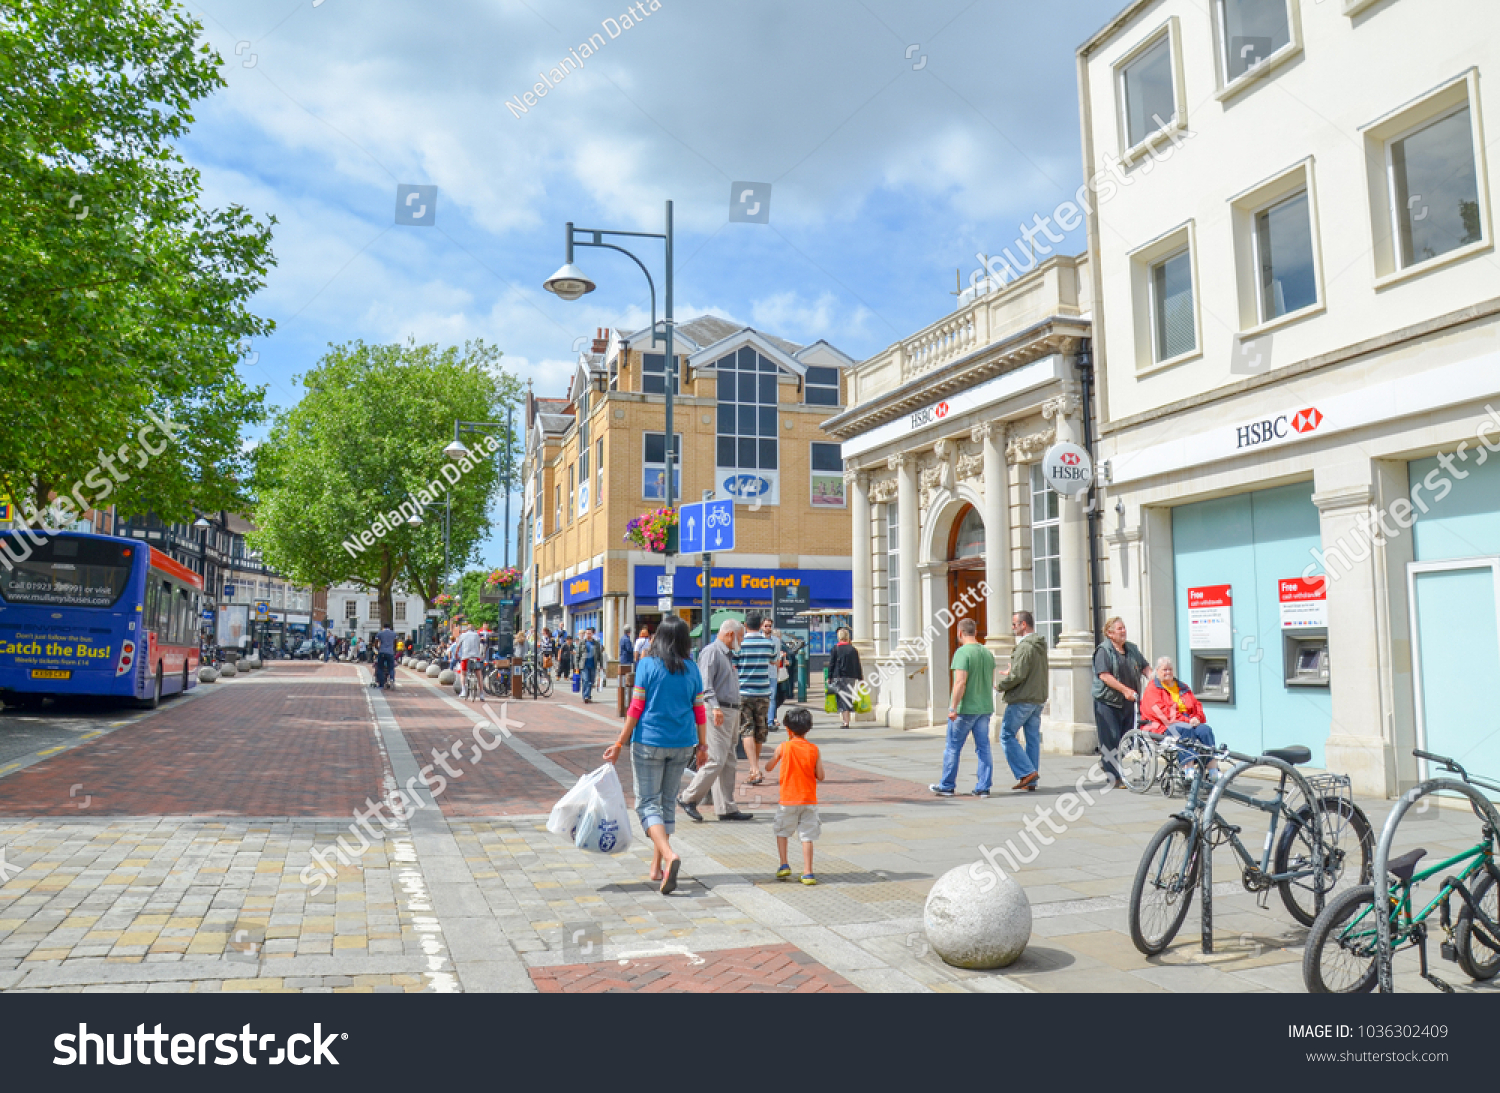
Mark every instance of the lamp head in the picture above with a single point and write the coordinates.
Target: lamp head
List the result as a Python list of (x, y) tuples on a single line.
[(456, 451), (568, 283), (414, 520)]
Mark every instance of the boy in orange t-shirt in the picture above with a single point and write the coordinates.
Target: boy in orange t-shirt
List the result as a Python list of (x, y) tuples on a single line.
[(801, 771)]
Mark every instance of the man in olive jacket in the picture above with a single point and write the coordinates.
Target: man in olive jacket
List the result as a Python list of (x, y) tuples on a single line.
[(1024, 689)]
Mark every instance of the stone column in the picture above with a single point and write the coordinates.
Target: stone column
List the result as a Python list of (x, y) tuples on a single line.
[(909, 514), (996, 537), (862, 547)]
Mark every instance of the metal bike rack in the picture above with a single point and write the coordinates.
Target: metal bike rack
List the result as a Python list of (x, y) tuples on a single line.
[(1206, 880), (1382, 881)]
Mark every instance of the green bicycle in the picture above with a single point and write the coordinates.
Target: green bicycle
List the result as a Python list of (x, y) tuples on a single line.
[(1344, 946)]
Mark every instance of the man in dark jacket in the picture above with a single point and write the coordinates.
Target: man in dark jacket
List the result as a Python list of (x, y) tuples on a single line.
[(1024, 689)]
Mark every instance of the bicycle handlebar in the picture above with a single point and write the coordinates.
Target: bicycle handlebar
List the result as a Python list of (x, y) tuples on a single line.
[(1442, 760)]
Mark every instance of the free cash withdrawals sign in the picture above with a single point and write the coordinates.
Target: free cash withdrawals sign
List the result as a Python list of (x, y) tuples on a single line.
[(1304, 602), (1210, 622)]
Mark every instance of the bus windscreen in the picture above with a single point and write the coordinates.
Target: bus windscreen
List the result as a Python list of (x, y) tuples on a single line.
[(67, 573)]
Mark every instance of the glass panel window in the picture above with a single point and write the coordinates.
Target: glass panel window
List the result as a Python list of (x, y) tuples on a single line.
[(827, 485), (822, 387), (1284, 253), (970, 542), (748, 416), (374, 610), (1172, 306), (893, 571), (570, 495), (1146, 95), (400, 608), (1252, 30), (599, 471), (1435, 189), (1046, 558), (351, 609), (654, 481), (654, 374)]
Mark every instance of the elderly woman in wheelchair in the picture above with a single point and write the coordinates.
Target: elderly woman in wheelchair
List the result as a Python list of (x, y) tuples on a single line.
[(1169, 708), (1169, 712)]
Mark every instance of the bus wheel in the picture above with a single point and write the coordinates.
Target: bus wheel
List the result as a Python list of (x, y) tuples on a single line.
[(154, 699)]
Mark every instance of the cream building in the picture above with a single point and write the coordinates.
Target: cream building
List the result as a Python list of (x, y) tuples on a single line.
[(942, 443), (1298, 349)]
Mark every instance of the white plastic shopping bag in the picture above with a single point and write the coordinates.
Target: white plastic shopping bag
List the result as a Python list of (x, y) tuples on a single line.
[(565, 814), (604, 826)]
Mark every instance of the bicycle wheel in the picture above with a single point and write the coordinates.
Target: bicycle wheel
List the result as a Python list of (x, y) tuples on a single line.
[(1163, 888), (544, 685), (1475, 957), (1137, 760), (1340, 953), (494, 682), (1348, 857)]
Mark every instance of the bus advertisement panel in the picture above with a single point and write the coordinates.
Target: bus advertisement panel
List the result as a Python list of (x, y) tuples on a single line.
[(94, 615)]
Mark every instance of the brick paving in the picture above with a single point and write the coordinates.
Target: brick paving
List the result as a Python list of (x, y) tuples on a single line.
[(771, 969), (240, 749)]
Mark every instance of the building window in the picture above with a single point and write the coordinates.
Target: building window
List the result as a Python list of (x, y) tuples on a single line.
[(1148, 99), (822, 387), (1172, 310), (599, 471), (1284, 258), (893, 572), (570, 494), (826, 488), (1434, 188), (1046, 557), (654, 476), (351, 609), (557, 508), (400, 608), (747, 412), (374, 610), (654, 374), (1250, 33), (970, 540)]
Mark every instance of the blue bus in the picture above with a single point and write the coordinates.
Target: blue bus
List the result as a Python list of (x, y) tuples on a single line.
[(94, 615)]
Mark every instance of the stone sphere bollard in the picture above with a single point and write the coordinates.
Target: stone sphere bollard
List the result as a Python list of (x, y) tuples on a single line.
[(208, 674), (254, 663), (229, 671), (978, 924), (433, 671), (423, 665), (445, 676)]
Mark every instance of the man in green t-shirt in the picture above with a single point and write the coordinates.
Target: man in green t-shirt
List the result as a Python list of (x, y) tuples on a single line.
[(969, 710)]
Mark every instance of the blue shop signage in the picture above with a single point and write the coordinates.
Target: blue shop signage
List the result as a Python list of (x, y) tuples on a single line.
[(584, 587), (826, 587)]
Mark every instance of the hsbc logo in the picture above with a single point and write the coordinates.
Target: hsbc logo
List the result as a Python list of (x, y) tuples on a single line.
[(1069, 459), (941, 411), (1278, 428), (930, 414)]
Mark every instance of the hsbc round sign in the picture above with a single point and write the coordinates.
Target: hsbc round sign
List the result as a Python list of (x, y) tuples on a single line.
[(1068, 469)]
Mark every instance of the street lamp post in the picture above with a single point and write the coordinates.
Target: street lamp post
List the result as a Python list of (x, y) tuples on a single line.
[(569, 283)]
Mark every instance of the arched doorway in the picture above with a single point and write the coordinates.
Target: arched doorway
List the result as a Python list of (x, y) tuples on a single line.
[(966, 571)]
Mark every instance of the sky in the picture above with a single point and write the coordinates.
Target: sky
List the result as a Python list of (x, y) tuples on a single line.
[(900, 138)]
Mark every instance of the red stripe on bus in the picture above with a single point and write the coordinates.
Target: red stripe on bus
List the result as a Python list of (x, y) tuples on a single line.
[(181, 572)]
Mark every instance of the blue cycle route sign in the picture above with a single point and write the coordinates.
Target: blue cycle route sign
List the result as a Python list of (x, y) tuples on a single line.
[(706, 527)]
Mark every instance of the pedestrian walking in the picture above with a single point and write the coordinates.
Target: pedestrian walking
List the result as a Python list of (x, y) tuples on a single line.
[(797, 811), (721, 695), (1024, 689), (627, 658), (590, 653), (549, 649), (385, 657), (642, 643), (564, 656), (844, 675), (665, 730), (768, 631), (754, 665), (1119, 668), (969, 710)]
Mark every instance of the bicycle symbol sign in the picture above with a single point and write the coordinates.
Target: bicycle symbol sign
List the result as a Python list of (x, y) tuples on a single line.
[(706, 527)]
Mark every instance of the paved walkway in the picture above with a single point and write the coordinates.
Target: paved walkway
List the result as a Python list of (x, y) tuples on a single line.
[(185, 850)]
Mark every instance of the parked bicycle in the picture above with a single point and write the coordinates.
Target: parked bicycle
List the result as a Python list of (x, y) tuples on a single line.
[(1326, 842), (1343, 948)]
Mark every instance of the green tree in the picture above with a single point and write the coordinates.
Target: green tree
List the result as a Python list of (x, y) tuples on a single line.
[(120, 295), (470, 589), (342, 471)]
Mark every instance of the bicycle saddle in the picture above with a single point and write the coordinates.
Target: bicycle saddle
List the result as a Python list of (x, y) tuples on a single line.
[(1295, 755), (1402, 868)]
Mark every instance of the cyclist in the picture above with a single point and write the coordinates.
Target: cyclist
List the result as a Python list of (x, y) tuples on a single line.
[(385, 659), (469, 649)]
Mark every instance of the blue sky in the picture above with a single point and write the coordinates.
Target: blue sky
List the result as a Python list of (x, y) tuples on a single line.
[(891, 166)]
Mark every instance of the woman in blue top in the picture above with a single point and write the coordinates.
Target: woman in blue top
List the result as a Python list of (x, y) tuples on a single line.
[(664, 728)]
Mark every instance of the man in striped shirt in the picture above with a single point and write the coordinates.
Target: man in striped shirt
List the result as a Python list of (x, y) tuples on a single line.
[(756, 680)]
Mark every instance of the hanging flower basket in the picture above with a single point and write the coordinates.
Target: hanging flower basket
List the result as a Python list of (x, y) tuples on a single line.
[(443, 600), (652, 530), (503, 578)]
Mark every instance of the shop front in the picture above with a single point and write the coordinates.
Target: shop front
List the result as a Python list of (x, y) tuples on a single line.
[(583, 596)]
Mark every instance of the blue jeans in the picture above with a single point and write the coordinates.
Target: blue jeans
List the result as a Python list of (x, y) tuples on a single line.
[(960, 728), (1019, 716), (658, 779), (586, 681), (384, 667), (1201, 733)]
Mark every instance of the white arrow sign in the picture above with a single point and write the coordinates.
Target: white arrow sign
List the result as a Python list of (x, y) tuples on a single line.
[(6, 869), (692, 528)]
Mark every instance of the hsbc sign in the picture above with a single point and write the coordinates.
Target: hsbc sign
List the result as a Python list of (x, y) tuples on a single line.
[(1270, 429), (929, 414)]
